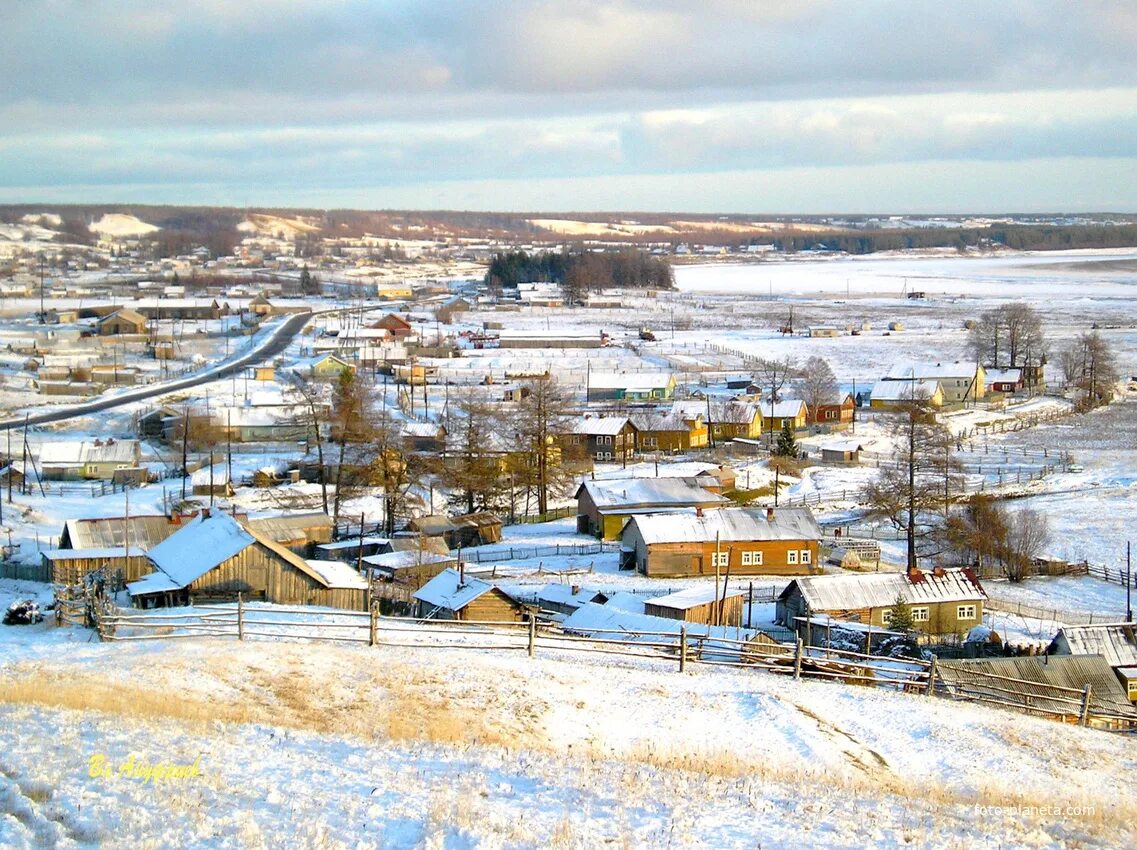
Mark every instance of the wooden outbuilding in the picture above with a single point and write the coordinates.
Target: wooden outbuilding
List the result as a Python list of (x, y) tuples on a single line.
[(451, 595), (604, 507), (124, 322), (460, 532), (71, 566), (705, 604)]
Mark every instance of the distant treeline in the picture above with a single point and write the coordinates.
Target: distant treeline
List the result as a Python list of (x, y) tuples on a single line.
[(581, 271), (1019, 237)]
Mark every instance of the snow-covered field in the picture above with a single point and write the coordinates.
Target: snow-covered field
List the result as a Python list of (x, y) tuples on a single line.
[(311, 745)]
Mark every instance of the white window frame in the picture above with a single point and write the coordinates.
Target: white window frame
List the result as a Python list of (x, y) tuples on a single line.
[(752, 558), (965, 612), (791, 557), (886, 616), (923, 614), (720, 559), (806, 556)]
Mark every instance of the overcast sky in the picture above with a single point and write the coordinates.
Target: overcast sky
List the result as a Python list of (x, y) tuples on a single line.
[(693, 105)]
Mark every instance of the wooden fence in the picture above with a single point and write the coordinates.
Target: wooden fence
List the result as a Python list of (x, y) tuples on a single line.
[(678, 651), (1055, 615), (480, 555)]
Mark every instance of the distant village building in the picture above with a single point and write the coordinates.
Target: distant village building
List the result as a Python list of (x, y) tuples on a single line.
[(790, 410), (836, 415), (669, 432), (892, 395), (123, 322), (632, 386), (96, 460), (451, 595), (959, 381), (603, 507)]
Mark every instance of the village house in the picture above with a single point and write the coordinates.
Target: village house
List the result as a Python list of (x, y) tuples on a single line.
[(186, 309), (564, 599), (97, 460), (892, 395), (726, 421), (1115, 642), (669, 432), (122, 322), (395, 326), (394, 292), (741, 541), (959, 382), (706, 604), (604, 438), (847, 452), (837, 414), (791, 410), (213, 556), (451, 595), (603, 507), (942, 602), (325, 367), (451, 308), (630, 386), (428, 437), (1008, 381)]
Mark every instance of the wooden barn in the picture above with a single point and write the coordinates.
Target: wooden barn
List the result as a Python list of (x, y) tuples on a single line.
[(124, 322), (144, 531), (741, 541), (707, 604), (451, 595), (460, 532), (71, 566), (214, 557)]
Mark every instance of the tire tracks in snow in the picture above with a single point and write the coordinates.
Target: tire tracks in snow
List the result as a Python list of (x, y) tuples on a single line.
[(857, 753)]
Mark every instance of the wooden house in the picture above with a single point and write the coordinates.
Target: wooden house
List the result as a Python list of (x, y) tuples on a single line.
[(300, 532), (706, 604), (669, 432), (186, 309), (603, 438), (725, 421), (122, 322), (603, 507), (717, 479), (96, 460), (451, 595), (260, 305), (630, 386), (893, 395), (566, 598), (824, 332), (451, 308), (837, 414), (215, 557), (942, 601), (326, 367), (71, 566), (144, 531), (428, 437), (398, 575), (847, 452), (396, 326), (791, 410), (1004, 380), (959, 382), (743, 541)]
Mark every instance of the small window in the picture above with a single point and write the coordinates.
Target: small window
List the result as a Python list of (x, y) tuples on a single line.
[(965, 612), (720, 559), (746, 556), (791, 556), (886, 616), (806, 556)]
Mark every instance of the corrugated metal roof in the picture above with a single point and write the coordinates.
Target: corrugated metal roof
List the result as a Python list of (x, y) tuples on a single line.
[(286, 527), (879, 590), (69, 452), (1038, 673), (692, 597), (146, 531), (1116, 642), (906, 371), (622, 380), (728, 524), (904, 390), (600, 425)]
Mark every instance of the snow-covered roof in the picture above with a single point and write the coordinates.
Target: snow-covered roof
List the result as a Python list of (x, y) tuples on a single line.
[(91, 554), (727, 524), (904, 390), (567, 594), (70, 452), (1117, 642), (730, 412), (880, 590), (662, 421), (787, 408), (199, 546), (338, 574), (847, 445), (624, 380), (630, 492), (906, 371), (593, 617), (430, 430), (447, 590), (1004, 376), (341, 545), (156, 582), (692, 597), (597, 426), (405, 558)]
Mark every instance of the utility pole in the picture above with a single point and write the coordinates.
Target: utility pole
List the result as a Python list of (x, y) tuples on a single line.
[(42, 314), (854, 429), (185, 450), (1128, 581)]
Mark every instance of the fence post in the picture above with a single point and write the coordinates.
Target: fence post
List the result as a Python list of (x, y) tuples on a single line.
[(1086, 694), (240, 616), (797, 658), (374, 624), (682, 648), (931, 688), (532, 635)]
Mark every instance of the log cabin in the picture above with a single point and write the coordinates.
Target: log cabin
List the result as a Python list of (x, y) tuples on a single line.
[(451, 595)]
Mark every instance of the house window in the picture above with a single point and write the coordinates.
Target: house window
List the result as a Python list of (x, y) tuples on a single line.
[(921, 615), (965, 612), (886, 616), (791, 556), (805, 556), (720, 559), (751, 559)]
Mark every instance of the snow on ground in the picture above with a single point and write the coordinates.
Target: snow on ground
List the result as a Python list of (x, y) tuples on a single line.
[(327, 746), (120, 224)]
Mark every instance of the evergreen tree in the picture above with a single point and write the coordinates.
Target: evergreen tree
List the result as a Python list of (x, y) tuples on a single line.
[(901, 615), (787, 444)]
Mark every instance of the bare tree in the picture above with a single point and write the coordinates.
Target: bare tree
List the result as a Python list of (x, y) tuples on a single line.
[(1027, 534), (911, 486), (311, 398), (773, 375), (978, 531), (471, 468), (816, 383), (1094, 369), (351, 428), (542, 415), (1008, 336)]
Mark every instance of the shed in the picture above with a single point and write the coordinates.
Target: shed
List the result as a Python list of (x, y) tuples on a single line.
[(460, 532), (700, 604), (70, 566), (451, 595)]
